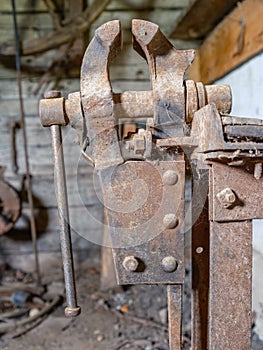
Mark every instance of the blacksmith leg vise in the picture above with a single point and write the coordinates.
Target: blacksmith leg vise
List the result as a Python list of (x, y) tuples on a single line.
[(143, 144)]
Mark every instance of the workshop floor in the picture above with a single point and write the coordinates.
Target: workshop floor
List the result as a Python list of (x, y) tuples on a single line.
[(120, 319)]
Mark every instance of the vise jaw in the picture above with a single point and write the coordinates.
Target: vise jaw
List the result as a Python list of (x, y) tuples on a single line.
[(163, 114)]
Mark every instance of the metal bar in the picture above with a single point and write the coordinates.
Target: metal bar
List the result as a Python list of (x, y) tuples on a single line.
[(13, 127), (174, 295), (200, 280), (230, 285), (200, 256), (65, 238)]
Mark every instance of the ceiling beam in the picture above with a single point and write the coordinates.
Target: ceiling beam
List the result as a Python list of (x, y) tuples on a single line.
[(236, 39), (200, 17)]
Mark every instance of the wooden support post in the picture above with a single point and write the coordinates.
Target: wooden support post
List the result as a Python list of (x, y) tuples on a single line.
[(76, 7), (236, 39), (200, 18)]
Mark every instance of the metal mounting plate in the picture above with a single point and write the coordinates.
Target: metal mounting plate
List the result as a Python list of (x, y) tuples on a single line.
[(137, 197), (247, 189)]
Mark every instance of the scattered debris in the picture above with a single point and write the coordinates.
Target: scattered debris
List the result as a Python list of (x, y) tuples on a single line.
[(21, 306)]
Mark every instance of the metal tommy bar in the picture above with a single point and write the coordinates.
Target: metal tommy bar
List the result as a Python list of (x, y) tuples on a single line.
[(72, 308)]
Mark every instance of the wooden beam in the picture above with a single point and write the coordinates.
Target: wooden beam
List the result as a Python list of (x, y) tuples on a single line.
[(77, 50), (236, 39), (54, 39), (200, 17)]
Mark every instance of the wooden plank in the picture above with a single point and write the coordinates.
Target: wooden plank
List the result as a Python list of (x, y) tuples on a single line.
[(25, 21), (86, 221), (22, 5), (56, 38), (139, 4), (9, 90), (47, 241), (39, 5), (201, 17), (8, 109), (82, 190), (236, 39)]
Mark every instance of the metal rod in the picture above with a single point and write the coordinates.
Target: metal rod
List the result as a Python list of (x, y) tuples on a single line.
[(174, 296), (15, 125), (65, 238), (22, 124)]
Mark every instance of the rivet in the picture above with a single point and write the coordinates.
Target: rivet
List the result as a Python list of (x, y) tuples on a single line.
[(170, 221), (170, 177), (199, 250), (130, 263), (169, 264)]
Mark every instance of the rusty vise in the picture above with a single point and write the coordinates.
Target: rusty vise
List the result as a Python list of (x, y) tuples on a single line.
[(143, 145)]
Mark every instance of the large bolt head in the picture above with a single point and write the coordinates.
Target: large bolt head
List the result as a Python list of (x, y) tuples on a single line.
[(130, 263), (227, 197), (170, 221), (170, 177), (169, 264)]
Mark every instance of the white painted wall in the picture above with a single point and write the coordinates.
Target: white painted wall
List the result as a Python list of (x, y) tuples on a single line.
[(247, 89)]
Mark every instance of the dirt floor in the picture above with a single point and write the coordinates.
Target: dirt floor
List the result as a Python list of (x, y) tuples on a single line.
[(119, 319)]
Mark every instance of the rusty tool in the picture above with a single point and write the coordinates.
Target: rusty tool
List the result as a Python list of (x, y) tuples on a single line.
[(72, 308), (179, 128), (10, 207)]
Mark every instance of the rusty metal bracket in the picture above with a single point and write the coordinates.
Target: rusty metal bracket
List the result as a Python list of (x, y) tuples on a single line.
[(146, 224), (240, 190), (10, 206)]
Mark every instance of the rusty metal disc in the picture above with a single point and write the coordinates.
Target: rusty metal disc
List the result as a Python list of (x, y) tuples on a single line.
[(9, 207)]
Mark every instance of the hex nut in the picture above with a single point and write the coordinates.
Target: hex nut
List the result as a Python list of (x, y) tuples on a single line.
[(169, 264), (130, 263), (227, 197), (170, 221), (170, 177), (139, 144)]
